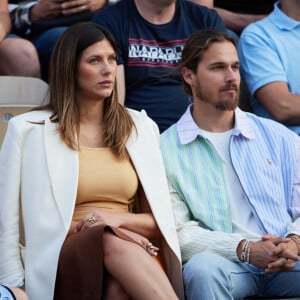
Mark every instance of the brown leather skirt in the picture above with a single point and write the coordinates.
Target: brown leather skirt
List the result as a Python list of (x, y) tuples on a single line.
[(80, 271)]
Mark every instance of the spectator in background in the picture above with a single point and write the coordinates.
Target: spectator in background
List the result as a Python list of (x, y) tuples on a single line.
[(234, 178), (236, 15), (43, 21), (17, 56), (151, 35), (270, 59)]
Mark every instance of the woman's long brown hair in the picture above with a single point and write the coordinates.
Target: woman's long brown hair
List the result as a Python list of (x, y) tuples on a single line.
[(62, 86)]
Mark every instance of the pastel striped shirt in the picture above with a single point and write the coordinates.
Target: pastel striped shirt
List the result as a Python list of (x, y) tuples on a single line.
[(265, 156)]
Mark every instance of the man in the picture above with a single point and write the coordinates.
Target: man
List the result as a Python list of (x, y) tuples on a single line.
[(236, 15), (235, 183), (269, 54), (18, 57), (43, 21), (151, 35)]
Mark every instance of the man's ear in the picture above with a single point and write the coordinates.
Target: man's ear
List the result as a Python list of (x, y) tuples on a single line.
[(187, 75)]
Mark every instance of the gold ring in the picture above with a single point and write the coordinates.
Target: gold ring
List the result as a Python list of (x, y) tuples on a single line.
[(91, 219), (149, 246)]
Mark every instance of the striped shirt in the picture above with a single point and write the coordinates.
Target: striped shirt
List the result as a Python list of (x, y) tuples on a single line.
[(265, 156)]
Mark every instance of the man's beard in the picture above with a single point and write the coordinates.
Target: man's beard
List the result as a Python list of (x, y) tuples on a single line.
[(220, 104)]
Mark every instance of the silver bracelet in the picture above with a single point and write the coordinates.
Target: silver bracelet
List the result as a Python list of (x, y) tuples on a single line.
[(244, 253), (248, 253)]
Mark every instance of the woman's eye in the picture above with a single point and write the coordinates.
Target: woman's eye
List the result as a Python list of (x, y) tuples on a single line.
[(93, 61), (112, 59)]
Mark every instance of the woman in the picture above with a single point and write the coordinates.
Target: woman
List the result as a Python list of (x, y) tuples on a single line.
[(69, 175)]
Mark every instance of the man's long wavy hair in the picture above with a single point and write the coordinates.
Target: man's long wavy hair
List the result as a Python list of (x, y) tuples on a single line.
[(63, 82), (195, 47)]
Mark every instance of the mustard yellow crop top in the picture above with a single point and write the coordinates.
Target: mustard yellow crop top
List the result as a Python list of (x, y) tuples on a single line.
[(104, 182)]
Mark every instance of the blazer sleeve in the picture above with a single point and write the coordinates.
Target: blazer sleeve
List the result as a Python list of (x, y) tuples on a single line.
[(11, 268)]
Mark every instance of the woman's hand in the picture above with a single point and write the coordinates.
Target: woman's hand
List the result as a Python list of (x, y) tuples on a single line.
[(114, 220), (72, 228), (136, 238), (109, 218)]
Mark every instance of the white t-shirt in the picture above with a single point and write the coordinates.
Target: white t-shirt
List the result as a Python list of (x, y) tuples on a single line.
[(243, 219)]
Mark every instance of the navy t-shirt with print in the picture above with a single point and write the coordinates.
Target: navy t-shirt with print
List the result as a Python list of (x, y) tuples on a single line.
[(150, 52)]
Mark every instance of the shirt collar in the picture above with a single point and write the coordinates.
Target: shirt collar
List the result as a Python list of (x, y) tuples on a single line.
[(188, 130), (281, 20)]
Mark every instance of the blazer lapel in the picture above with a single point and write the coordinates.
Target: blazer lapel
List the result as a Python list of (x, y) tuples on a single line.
[(140, 147), (63, 168), (136, 150), (152, 176)]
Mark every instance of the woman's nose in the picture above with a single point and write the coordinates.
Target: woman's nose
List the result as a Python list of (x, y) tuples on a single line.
[(106, 68)]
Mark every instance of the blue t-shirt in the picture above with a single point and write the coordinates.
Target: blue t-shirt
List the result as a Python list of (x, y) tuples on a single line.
[(150, 52), (268, 52), (6, 293)]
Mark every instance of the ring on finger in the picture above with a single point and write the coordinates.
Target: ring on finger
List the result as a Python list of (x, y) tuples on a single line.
[(91, 219), (149, 246)]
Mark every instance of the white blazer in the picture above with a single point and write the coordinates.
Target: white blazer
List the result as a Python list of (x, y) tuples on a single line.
[(38, 182)]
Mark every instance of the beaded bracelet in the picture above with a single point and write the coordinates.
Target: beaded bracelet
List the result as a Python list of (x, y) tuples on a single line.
[(248, 253), (245, 252)]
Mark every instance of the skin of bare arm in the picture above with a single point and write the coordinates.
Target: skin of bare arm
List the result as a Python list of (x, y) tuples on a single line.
[(279, 102), (5, 23), (234, 21), (142, 223)]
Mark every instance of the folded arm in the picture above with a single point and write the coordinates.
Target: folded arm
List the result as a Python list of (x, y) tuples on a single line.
[(194, 239), (140, 223), (282, 105), (234, 21)]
